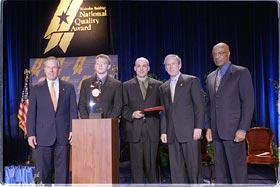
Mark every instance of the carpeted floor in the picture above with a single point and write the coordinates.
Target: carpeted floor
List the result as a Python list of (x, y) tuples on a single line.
[(257, 174)]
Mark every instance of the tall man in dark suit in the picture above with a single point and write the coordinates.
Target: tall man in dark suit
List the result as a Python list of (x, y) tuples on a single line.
[(142, 130), (110, 99), (49, 123), (231, 108), (182, 122)]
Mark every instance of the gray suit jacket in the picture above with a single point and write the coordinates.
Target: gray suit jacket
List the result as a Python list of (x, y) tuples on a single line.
[(187, 110), (110, 99), (132, 101), (50, 126), (232, 106)]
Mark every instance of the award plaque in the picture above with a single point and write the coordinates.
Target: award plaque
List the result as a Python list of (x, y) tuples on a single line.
[(153, 109), (95, 109)]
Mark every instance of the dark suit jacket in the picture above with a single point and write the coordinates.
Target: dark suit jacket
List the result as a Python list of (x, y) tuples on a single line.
[(110, 99), (132, 101), (232, 106), (43, 121), (187, 110)]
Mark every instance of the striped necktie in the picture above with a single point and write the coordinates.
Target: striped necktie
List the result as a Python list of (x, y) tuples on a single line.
[(218, 80)]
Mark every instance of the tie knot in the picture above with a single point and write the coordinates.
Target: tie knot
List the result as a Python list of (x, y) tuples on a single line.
[(52, 83)]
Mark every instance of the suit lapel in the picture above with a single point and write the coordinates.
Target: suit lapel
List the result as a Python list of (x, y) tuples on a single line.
[(137, 89), (61, 94), (46, 94), (212, 81), (179, 88), (167, 91), (225, 78), (105, 86), (149, 89)]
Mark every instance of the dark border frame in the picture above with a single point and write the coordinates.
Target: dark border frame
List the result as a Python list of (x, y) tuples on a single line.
[(1, 79), (1, 93)]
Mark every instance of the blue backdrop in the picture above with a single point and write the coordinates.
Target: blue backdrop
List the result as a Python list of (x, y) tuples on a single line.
[(153, 30)]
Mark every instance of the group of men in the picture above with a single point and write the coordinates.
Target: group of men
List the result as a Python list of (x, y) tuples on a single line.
[(229, 109)]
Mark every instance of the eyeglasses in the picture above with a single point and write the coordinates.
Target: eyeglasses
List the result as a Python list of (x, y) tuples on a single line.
[(219, 53)]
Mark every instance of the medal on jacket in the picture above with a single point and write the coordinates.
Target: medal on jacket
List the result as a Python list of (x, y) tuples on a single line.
[(96, 89), (95, 92)]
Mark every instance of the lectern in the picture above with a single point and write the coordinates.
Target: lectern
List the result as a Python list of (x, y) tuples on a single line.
[(95, 157)]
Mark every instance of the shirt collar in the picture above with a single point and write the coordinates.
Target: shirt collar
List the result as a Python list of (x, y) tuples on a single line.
[(224, 69), (56, 81), (102, 77), (145, 79), (176, 77)]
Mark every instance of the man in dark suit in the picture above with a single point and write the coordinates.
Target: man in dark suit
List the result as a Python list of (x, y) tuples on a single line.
[(109, 102), (182, 122), (49, 123), (142, 130), (231, 108)]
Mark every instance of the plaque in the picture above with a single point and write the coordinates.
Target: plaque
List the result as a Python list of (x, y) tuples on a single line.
[(95, 108)]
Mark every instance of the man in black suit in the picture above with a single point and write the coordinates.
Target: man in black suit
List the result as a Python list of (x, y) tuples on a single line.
[(142, 130), (231, 107), (49, 123), (182, 122), (109, 102)]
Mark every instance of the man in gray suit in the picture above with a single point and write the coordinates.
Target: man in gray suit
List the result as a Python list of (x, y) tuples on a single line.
[(231, 107), (109, 102), (182, 122), (49, 123), (142, 130)]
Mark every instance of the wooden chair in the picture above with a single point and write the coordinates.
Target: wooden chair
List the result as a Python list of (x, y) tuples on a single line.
[(260, 151), (205, 157)]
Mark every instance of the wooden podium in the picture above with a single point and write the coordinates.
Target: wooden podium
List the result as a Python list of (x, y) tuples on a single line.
[(95, 151)]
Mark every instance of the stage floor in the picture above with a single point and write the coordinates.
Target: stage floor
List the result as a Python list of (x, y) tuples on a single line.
[(257, 174)]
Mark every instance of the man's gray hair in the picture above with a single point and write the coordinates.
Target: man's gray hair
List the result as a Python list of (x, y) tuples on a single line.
[(52, 58), (172, 56)]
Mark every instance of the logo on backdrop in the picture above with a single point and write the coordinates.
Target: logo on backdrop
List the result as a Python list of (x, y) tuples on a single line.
[(73, 17)]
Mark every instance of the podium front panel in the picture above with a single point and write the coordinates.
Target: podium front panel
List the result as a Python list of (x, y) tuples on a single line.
[(95, 151)]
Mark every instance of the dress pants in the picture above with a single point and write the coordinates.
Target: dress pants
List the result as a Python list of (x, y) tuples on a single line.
[(143, 156), (51, 160), (185, 162), (230, 162)]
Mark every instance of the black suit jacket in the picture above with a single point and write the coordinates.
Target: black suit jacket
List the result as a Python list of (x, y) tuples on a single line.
[(231, 107), (110, 99), (132, 101), (43, 121), (187, 110)]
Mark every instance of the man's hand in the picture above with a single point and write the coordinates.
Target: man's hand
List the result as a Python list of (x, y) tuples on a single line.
[(137, 114), (239, 136), (70, 138), (209, 135), (32, 141), (197, 134), (163, 138)]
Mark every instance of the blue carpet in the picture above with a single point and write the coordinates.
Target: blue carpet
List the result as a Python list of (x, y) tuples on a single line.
[(257, 174)]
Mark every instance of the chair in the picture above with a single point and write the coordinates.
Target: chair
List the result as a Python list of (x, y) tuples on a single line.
[(205, 157), (260, 151)]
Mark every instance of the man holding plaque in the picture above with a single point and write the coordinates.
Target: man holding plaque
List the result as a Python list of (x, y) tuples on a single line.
[(101, 94), (182, 122), (142, 128)]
